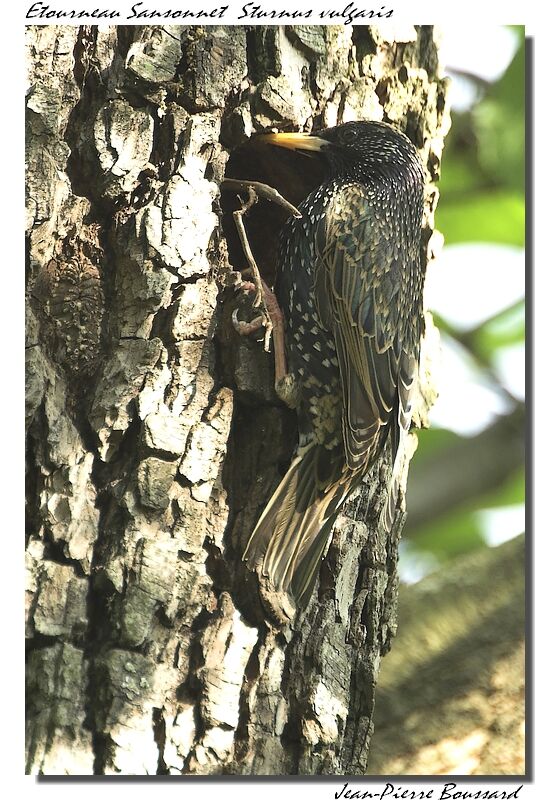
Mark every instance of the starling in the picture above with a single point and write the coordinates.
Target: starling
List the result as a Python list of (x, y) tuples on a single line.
[(350, 284)]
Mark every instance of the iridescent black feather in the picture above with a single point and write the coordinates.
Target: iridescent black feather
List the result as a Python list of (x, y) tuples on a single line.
[(350, 285)]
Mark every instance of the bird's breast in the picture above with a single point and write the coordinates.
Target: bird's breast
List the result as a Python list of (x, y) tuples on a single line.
[(311, 349)]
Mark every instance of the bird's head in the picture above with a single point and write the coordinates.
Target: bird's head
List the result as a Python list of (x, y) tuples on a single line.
[(355, 149)]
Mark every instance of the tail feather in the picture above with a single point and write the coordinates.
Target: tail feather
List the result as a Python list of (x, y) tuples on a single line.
[(290, 537), (306, 572)]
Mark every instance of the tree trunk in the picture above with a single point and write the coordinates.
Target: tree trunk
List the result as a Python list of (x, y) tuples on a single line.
[(154, 433)]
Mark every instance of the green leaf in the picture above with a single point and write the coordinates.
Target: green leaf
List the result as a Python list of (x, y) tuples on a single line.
[(432, 441), (460, 530), (459, 174), (511, 493), (498, 123), (453, 535), (491, 216)]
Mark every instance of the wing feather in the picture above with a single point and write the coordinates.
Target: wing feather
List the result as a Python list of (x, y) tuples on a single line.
[(360, 273)]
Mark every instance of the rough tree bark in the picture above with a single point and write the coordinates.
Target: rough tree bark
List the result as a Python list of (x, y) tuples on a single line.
[(154, 434)]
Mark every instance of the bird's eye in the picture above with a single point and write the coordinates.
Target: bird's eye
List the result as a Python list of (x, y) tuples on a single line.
[(349, 135)]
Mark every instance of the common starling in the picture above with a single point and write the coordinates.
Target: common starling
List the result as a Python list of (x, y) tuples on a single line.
[(350, 284)]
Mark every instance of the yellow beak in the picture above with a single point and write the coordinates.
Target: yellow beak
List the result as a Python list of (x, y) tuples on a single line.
[(294, 141)]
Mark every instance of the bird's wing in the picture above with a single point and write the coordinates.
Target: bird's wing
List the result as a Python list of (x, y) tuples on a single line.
[(359, 277)]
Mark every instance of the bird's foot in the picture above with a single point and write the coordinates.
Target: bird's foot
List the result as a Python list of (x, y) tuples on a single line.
[(271, 318), (247, 328), (243, 328)]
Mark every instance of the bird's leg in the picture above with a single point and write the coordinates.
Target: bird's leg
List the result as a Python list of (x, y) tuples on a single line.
[(238, 217), (273, 322), (259, 300), (246, 328), (271, 317), (285, 385), (277, 330)]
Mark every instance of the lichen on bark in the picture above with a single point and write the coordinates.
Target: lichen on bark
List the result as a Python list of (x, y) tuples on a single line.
[(154, 434)]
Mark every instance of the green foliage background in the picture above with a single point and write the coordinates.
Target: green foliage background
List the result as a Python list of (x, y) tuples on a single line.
[(482, 200)]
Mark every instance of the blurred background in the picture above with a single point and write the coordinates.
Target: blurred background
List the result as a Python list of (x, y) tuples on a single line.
[(466, 485), (451, 693)]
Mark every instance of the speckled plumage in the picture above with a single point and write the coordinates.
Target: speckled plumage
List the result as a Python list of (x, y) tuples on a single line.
[(350, 286)]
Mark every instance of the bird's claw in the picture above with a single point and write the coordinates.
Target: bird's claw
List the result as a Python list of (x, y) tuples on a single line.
[(263, 320), (246, 328)]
